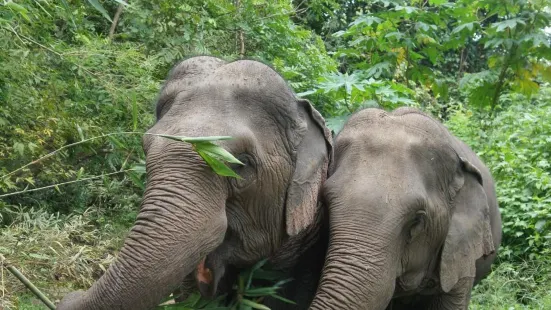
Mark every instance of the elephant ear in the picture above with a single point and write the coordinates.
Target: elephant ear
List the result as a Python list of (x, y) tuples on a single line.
[(314, 152), (469, 236)]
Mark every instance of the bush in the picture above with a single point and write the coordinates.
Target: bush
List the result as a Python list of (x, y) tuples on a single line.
[(516, 146)]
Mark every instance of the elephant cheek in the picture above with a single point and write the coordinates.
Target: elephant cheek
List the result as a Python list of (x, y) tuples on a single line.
[(411, 280)]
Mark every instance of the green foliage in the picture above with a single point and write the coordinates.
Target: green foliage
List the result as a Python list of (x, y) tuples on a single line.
[(515, 286), (517, 148), (482, 67), (260, 30), (408, 45), (247, 294)]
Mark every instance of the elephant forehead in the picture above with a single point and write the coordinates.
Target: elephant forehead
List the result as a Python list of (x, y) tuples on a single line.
[(254, 72)]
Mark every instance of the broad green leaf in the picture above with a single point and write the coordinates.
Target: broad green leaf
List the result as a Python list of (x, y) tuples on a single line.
[(407, 9), (367, 20), (379, 69), (537, 39), (469, 26), (396, 34), (507, 24), (424, 26), (526, 86), (494, 42), (433, 54), (100, 8)]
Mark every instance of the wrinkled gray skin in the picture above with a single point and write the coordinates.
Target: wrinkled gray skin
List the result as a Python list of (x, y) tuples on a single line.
[(413, 216), (189, 213)]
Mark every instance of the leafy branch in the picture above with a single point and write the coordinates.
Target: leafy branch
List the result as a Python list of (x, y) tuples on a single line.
[(212, 154)]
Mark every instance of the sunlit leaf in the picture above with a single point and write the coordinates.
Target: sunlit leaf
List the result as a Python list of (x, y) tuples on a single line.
[(507, 24), (367, 20)]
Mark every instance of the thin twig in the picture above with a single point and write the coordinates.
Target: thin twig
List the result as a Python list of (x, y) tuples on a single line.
[(19, 36), (115, 21), (461, 62), (64, 183), (32, 41), (242, 41), (126, 160), (29, 285), (66, 147)]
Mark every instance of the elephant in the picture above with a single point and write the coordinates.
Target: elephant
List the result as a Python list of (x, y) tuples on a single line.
[(195, 223), (413, 216)]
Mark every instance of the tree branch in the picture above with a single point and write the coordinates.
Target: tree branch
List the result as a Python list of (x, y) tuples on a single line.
[(242, 41), (116, 21), (501, 79)]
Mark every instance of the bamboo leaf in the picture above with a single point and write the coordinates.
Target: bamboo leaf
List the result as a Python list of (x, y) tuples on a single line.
[(19, 9), (100, 8), (284, 299), (216, 151), (254, 305), (218, 166), (190, 139)]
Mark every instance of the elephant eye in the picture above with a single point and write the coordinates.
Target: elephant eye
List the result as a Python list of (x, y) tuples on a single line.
[(245, 171), (245, 159), (417, 225)]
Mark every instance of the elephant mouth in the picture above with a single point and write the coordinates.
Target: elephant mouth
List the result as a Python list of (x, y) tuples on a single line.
[(208, 275), (215, 276)]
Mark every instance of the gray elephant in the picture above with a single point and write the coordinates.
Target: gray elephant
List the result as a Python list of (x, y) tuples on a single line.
[(194, 222), (414, 221)]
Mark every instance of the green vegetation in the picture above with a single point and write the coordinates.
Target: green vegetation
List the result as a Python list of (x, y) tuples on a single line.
[(72, 70)]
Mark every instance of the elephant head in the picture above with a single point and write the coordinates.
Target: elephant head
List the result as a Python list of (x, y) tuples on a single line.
[(192, 219), (408, 209)]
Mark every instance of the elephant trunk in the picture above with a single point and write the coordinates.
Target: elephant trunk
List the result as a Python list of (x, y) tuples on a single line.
[(181, 220), (360, 267)]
